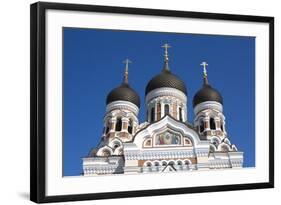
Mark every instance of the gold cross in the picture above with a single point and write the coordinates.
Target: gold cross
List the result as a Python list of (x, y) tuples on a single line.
[(127, 61), (204, 64), (166, 46)]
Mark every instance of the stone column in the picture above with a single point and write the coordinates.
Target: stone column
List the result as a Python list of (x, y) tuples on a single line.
[(206, 123), (217, 123), (159, 111), (175, 111), (113, 125), (125, 122)]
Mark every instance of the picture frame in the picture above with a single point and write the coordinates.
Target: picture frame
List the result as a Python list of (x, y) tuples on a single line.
[(41, 86)]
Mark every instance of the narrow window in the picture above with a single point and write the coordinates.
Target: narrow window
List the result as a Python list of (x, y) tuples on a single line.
[(107, 129), (212, 124), (118, 124), (201, 126), (158, 111), (180, 114), (130, 127), (152, 114), (221, 127), (166, 108)]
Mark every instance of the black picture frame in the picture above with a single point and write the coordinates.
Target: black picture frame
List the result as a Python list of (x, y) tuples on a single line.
[(38, 100)]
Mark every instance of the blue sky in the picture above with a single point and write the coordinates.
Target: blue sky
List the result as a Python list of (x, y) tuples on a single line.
[(93, 66)]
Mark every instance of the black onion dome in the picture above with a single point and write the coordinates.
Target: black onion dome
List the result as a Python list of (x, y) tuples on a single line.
[(207, 93), (165, 79), (125, 93)]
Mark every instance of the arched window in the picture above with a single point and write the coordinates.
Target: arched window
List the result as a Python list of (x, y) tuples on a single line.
[(118, 124), (179, 162), (186, 162), (221, 127), (148, 164), (201, 126), (152, 114), (130, 127), (107, 129), (180, 114), (212, 124), (166, 109)]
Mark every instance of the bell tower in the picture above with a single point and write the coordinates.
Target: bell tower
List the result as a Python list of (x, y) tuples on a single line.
[(209, 118), (121, 118)]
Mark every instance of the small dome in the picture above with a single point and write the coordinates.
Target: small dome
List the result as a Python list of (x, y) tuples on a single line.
[(125, 93), (165, 79), (207, 93)]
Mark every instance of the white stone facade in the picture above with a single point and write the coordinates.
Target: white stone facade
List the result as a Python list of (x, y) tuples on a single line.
[(166, 142)]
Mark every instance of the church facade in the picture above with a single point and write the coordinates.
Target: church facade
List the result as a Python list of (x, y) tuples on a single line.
[(167, 141)]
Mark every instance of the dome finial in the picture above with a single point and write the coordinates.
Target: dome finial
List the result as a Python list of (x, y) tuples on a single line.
[(205, 78), (126, 73), (166, 57)]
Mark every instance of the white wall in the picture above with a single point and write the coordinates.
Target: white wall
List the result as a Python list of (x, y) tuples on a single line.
[(14, 101)]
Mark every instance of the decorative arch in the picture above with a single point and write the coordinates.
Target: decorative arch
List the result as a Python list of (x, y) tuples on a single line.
[(179, 162), (168, 123), (156, 163), (105, 151), (187, 162), (187, 141), (223, 147), (215, 141), (115, 143), (147, 142), (148, 164)]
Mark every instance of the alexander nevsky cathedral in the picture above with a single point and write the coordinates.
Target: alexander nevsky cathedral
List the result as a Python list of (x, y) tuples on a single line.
[(167, 141)]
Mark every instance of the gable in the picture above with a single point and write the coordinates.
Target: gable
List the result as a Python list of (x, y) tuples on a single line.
[(167, 132)]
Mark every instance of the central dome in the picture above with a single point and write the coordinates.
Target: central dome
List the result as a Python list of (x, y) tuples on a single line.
[(165, 79)]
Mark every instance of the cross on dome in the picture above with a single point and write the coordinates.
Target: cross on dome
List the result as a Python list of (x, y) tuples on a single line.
[(204, 64), (166, 46), (126, 73)]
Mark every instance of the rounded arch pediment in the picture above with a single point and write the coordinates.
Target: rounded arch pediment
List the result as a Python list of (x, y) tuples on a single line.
[(167, 132)]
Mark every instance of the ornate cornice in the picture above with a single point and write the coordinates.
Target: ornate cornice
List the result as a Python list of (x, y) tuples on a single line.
[(122, 105), (151, 155), (160, 92), (208, 105)]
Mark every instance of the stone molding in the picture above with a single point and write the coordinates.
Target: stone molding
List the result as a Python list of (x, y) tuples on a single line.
[(166, 91), (208, 105), (122, 105)]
